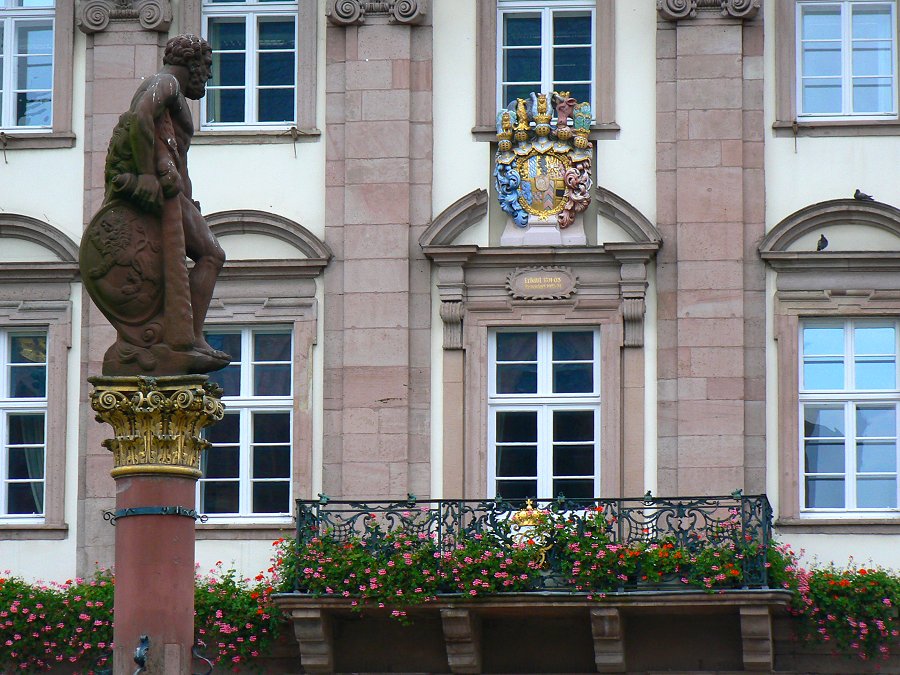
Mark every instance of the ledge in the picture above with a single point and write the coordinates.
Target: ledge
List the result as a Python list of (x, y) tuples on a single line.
[(840, 525), (244, 532), (38, 141), (254, 137), (784, 129), (599, 132), (31, 532), (463, 622)]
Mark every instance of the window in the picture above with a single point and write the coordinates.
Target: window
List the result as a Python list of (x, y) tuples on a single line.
[(545, 47), (849, 401), (26, 64), (846, 59), (247, 470), (23, 417), (544, 413), (254, 72)]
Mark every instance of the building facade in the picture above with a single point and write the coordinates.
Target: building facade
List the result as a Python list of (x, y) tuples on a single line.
[(728, 321)]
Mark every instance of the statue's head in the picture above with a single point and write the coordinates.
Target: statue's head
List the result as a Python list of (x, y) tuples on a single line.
[(195, 54)]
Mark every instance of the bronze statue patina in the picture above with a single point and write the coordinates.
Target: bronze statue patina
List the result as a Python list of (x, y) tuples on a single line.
[(133, 254)]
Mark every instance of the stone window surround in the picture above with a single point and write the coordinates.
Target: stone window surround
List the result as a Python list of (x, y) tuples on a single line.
[(811, 284), (473, 300), (305, 129), (36, 294), (60, 135), (486, 50), (786, 120), (272, 292)]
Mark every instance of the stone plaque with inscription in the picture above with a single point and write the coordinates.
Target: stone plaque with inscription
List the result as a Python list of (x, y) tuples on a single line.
[(541, 283)]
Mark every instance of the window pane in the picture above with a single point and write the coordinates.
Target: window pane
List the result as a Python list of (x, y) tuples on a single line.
[(874, 340), (26, 498), (33, 109), (573, 346), (821, 23), (876, 493), (876, 374), (276, 34), (35, 72), (229, 378), (271, 427), (225, 105), (824, 457), (271, 497), (517, 460), (822, 96), (34, 38), (580, 92), (823, 374), (517, 489), (872, 457), (276, 105), (272, 380), (516, 346), (876, 422), (26, 463), (572, 29), (516, 427), (573, 378), (522, 65), (230, 343), (522, 30), (28, 381), (871, 21), (219, 497), (825, 493), (573, 460), (228, 34), (517, 379), (823, 341), (875, 95), (513, 92), (272, 347), (28, 349), (572, 63), (872, 58), (822, 59), (573, 489), (221, 463), (824, 422), (228, 69), (26, 429), (33, 3), (272, 462), (276, 68), (226, 430), (573, 425)]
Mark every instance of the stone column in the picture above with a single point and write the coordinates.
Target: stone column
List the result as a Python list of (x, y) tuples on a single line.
[(125, 42), (377, 300), (711, 196), (156, 455)]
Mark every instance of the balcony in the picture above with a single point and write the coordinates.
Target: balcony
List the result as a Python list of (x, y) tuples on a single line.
[(455, 585)]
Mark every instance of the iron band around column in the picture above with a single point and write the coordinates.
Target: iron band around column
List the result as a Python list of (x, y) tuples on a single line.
[(113, 516)]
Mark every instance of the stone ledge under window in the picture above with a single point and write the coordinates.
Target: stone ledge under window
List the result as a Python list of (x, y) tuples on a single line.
[(32, 531), (254, 137), (787, 129), (888, 525), (604, 132), (39, 141), (241, 531)]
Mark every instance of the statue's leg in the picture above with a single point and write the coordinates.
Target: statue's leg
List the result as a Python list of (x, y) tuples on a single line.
[(202, 247)]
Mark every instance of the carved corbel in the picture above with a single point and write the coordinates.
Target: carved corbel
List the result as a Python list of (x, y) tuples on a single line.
[(633, 287), (451, 315), (354, 12), (675, 10), (93, 16)]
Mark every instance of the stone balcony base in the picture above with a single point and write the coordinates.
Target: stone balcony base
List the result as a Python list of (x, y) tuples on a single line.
[(643, 631)]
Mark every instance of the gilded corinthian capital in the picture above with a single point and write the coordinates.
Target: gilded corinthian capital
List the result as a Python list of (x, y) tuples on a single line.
[(157, 422)]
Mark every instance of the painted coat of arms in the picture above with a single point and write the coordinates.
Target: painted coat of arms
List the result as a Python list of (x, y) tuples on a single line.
[(543, 170)]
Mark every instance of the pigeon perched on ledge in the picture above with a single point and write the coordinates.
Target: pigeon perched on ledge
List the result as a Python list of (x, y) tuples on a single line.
[(862, 196), (822, 244)]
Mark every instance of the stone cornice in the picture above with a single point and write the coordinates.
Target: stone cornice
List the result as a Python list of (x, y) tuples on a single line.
[(674, 10), (94, 16), (353, 12)]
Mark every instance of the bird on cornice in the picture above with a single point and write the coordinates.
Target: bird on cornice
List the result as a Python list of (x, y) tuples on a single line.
[(822, 244), (861, 196)]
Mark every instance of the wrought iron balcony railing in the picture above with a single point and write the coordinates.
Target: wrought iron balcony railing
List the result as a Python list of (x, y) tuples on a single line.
[(739, 526)]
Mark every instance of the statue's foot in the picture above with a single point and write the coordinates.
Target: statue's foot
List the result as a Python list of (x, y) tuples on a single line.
[(204, 347), (161, 360)]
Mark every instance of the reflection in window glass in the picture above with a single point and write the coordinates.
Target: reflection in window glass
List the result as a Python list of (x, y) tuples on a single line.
[(26, 64)]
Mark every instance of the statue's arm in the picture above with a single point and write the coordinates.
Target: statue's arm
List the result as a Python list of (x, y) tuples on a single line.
[(148, 108)]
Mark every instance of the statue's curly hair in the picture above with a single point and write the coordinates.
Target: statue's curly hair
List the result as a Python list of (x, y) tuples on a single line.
[(184, 50)]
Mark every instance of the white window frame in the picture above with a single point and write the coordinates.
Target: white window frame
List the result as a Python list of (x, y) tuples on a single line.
[(545, 402), (10, 18), (849, 398), (546, 10), (245, 405), (10, 405), (846, 61), (252, 11)]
